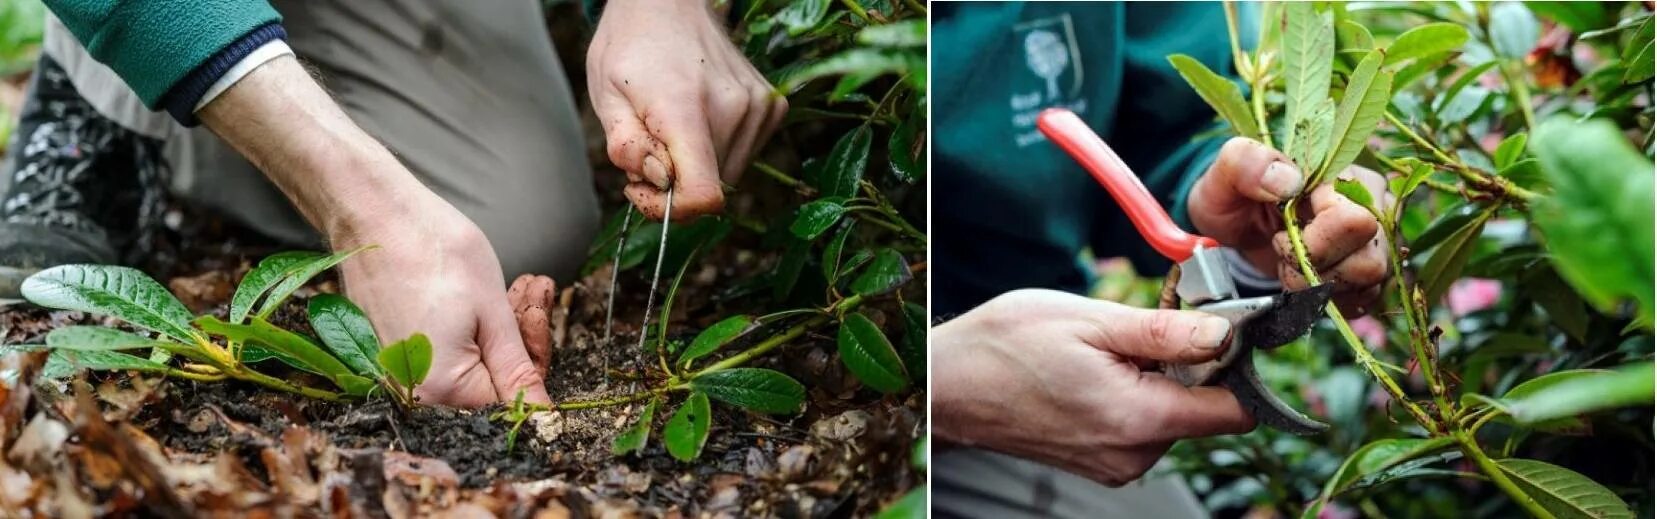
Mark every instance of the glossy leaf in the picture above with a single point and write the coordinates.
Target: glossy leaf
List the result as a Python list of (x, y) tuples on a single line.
[(817, 216), (120, 292), (1603, 187), (869, 355), (1448, 223), (1570, 393), (906, 150), (270, 271), (407, 361), (846, 162), (862, 62), (757, 389), (1563, 305), (715, 337), (1425, 40), (634, 438), (687, 431), (1308, 53), (802, 15), (832, 250), (887, 271), (1379, 455), (346, 332), (1359, 113), (1466, 78), (906, 33), (298, 275), (289, 346), (1220, 93), (913, 349), (1562, 492), (787, 272)]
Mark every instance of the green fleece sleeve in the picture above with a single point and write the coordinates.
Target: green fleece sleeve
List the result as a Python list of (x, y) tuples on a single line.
[(1163, 129), (152, 44)]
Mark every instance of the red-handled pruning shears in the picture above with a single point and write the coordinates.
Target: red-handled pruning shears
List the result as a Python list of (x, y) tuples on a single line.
[(1204, 282)]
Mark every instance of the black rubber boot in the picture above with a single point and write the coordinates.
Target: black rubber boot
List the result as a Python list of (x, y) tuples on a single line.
[(76, 187)]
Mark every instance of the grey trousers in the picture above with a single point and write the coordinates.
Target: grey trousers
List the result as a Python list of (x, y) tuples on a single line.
[(978, 483), (468, 95)]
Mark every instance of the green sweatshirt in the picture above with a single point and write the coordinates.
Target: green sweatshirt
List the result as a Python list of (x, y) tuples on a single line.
[(1010, 209), (154, 44)]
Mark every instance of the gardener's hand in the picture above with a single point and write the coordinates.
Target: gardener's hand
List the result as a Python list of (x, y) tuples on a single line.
[(434, 271), (1237, 202), (677, 100), (1056, 378)]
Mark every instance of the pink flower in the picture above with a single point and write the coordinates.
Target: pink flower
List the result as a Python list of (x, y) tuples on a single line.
[(1371, 331), (1336, 511), (1469, 295)]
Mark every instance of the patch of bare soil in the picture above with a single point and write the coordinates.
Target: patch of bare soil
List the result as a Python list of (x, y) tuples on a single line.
[(117, 444)]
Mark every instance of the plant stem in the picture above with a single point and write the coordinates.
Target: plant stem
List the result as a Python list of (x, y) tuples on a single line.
[(1489, 183), (856, 9), (262, 379), (780, 339), (191, 375), (606, 402), (1470, 447), (1520, 93), (784, 178), (1359, 350)]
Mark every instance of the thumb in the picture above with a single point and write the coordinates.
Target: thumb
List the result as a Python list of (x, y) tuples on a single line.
[(1180, 336), (510, 367), (1247, 173)]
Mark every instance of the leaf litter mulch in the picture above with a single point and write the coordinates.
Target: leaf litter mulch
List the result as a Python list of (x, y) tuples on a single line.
[(116, 444)]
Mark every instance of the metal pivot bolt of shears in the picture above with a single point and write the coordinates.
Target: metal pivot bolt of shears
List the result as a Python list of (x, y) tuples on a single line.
[(1204, 282)]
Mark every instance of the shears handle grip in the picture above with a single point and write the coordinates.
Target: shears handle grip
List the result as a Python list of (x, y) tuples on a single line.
[(1065, 128)]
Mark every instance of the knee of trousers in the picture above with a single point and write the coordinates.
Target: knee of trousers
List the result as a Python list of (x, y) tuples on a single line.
[(540, 229)]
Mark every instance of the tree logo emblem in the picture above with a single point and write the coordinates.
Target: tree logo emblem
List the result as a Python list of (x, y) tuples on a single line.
[(1047, 56)]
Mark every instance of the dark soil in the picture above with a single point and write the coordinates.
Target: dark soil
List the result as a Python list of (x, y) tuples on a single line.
[(847, 455)]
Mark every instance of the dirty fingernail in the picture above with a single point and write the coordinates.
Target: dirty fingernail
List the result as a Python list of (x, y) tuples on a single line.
[(1283, 179), (655, 172), (1211, 332)]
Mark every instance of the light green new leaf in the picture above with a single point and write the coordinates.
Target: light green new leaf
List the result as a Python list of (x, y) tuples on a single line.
[(1562, 492), (1603, 187), (817, 216), (1353, 36), (887, 271), (298, 275), (759, 389), (687, 430), (120, 292), (869, 355), (1356, 192), (1220, 93), (911, 506), (1510, 150), (1308, 61), (408, 360), (1416, 177), (634, 438), (1359, 113), (1313, 136), (346, 331), (1513, 29), (715, 337), (270, 271), (1582, 391), (1425, 40), (867, 63), (288, 346)]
